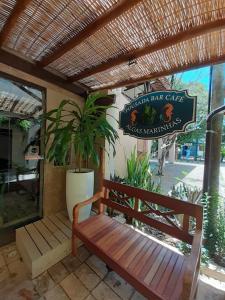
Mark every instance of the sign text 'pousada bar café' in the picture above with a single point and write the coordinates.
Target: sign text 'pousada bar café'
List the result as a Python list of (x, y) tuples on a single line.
[(158, 114)]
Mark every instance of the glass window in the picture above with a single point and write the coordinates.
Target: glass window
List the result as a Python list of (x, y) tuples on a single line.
[(21, 106)]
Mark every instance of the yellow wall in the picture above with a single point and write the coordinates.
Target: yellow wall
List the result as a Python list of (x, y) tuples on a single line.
[(117, 165), (54, 177)]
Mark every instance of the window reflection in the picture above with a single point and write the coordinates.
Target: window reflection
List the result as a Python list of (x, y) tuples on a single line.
[(20, 152)]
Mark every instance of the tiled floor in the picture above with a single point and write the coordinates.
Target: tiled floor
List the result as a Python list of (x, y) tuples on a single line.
[(74, 278)]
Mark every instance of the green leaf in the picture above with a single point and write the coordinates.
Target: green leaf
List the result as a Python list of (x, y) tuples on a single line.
[(72, 127)]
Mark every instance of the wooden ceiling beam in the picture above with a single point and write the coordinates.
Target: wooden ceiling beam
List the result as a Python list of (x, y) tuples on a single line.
[(33, 70), (162, 44), (191, 66), (117, 10), (11, 21)]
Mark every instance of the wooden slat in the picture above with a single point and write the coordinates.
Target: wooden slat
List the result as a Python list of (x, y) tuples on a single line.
[(159, 45), (117, 10), (64, 220), (141, 259), (166, 201), (105, 230), (28, 241), (125, 236), (38, 239), (133, 251), (96, 225), (179, 285), (161, 269), (155, 266), (173, 231), (171, 284), (152, 267), (23, 65), (166, 276), (124, 246), (112, 234), (112, 263), (10, 23), (112, 241), (57, 233), (95, 220), (149, 262), (186, 223), (116, 240), (48, 235), (190, 66), (61, 226)]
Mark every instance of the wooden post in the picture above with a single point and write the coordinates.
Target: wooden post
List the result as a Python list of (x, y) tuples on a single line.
[(102, 168), (218, 85), (212, 154)]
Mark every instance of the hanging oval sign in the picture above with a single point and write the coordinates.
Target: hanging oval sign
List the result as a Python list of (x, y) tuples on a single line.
[(158, 114)]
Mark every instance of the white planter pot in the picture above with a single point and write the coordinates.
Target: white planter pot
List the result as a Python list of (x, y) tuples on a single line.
[(79, 187)]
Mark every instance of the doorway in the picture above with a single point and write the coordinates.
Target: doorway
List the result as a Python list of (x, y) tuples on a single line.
[(21, 174)]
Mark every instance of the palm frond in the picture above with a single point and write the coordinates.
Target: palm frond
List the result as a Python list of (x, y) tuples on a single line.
[(71, 127)]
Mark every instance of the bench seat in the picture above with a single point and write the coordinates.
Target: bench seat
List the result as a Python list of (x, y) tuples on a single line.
[(158, 268)]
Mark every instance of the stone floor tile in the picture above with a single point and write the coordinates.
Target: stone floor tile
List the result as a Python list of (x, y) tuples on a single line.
[(4, 273), (138, 296), (71, 263), (7, 247), (103, 292), (87, 276), (119, 285), (16, 275), (10, 253), (18, 269), (74, 288), (22, 290), (57, 293), (2, 261), (83, 253), (208, 292), (58, 272), (43, 283), (97, 265), (90, 297)]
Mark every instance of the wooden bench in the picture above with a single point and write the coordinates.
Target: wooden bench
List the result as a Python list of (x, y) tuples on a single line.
[(156, 270)]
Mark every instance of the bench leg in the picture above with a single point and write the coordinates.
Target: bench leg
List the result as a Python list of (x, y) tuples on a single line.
[(196, 292), (108, 268)]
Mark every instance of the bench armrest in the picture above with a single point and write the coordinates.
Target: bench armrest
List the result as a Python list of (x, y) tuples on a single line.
[(91, 200), (192, 267)]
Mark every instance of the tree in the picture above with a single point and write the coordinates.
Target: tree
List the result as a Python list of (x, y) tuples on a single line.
[(167, 143), (212, 162), (195, 131)]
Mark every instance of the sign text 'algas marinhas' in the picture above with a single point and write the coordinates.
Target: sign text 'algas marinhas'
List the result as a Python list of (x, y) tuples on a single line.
[(158, 114)]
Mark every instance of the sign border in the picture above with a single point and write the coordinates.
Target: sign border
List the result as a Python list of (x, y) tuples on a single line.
[(176, 131)]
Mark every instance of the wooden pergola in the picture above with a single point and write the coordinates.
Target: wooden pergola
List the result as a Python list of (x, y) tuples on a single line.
[(94, 44)]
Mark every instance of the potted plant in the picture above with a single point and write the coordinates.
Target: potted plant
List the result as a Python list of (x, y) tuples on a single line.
[(72, 129)]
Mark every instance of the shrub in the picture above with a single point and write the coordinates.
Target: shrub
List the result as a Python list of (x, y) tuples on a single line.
[(139, 174), (215, 228), (192, 194)]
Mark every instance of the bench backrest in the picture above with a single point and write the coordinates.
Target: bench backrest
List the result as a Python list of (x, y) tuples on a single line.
[(153, 209)]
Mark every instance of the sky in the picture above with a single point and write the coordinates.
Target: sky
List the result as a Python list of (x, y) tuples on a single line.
[(201, 75)]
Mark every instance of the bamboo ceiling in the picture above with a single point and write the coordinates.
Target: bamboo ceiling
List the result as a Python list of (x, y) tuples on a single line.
[(111, 43)]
